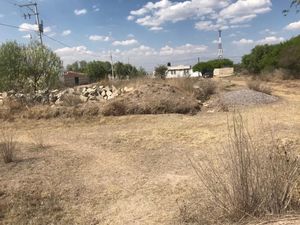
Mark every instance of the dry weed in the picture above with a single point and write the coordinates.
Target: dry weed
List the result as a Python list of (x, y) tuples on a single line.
[(7, 146), (255, 177), (259, 86), (37, 137)]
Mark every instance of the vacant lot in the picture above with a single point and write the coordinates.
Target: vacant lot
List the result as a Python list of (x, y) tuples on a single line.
[(129, 169)]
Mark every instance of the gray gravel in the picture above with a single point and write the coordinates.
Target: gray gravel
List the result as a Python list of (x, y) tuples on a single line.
[(247, 97)]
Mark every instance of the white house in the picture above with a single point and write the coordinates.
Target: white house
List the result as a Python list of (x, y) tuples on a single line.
[(181, 71)]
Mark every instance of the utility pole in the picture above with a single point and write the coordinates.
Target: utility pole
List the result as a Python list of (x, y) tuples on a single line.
[(112, 65), (34, 12), (220, 46)]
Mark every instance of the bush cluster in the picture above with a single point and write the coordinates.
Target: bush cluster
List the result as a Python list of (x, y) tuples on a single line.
[(209, 66), (267, 58)]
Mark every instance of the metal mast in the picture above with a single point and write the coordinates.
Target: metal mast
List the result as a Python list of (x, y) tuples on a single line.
[(220, 47), (34, 12)]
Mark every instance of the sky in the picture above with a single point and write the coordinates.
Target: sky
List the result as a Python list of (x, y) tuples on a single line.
[(148, 33)]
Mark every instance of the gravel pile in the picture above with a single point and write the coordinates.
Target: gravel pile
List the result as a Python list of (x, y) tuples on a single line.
[(247, 97)]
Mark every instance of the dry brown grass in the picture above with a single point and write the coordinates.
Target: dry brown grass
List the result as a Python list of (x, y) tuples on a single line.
[(7, 146), (259, 86), (71, 100), (257, 177)]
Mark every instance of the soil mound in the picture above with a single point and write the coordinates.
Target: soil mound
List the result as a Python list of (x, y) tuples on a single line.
[(152, 98)]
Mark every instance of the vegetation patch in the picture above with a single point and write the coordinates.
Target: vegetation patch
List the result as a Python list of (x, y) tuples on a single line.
[(257, 175)]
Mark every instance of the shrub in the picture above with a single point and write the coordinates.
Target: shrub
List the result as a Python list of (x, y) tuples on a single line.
[(160, 71), (71, 100), (257, 85), (257, 176), (7, 147), (205, 88), (115, 108)]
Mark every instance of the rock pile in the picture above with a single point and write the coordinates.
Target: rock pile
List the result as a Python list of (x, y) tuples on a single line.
[(57, 97)]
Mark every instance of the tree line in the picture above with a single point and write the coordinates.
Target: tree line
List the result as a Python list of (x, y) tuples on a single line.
[(98, 70), (267, 58)]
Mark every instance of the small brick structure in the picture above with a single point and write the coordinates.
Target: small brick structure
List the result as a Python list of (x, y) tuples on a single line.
[(71, 79)]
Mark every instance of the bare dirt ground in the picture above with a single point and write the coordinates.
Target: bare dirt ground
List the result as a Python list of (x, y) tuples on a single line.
[(125, 170)]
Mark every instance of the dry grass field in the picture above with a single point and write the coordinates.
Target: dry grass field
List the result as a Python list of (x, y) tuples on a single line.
[(130, 169)]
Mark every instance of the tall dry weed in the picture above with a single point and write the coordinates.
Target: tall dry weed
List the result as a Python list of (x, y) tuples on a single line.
[(255, 176)]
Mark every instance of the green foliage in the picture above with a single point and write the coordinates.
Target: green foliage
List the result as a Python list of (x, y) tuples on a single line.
[(160, 71), (42, 66), (11, 66), (28, 67), (97, 70), (270, 57), (208, 66)]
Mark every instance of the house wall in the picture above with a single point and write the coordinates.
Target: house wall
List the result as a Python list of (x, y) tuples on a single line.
[(223, 72), (178, 73), (69, 79)]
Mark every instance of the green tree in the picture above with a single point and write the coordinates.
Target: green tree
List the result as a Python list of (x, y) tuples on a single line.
[(160, 71), (42, 66), (209, 66), (11, 66), (96, 70)]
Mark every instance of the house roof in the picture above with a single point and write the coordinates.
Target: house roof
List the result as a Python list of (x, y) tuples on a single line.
[(72, 73), (180, 67)]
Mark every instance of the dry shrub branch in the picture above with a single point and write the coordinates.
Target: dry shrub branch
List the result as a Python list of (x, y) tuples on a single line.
[(255, 176), (7, 146)]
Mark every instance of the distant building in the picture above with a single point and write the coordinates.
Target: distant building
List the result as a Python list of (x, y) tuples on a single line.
[(181, 71), (71, 79), (224, 72)]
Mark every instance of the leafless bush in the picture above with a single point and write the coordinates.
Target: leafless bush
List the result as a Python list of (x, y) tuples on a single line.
[(205, 88), (38, 139), (258, 85), (7, 146), (71, 100), (185, 84), (257, 178), (115, 108)]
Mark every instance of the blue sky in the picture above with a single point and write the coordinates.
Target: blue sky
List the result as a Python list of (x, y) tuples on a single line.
[(148, 33)]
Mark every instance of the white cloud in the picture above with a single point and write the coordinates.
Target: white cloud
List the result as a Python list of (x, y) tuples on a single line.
[(270, 40), (99, 38), (27, 36), (293, 26), (130, 17), (79, 12), (211, 15), (47, 29), (267, 40), (156, 28), (25, 27), (206, 25), (70, 55), (96, 8), (243, 41), (125, 42), (182, 50), (268, 31), (66, 32)]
